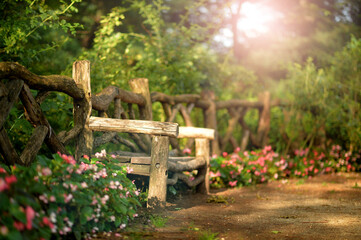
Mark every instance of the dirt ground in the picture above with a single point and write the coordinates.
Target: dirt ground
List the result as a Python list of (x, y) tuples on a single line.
[(325, 207)]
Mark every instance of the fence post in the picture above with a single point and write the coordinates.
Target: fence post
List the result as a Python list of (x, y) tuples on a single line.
[(264, 119), (210, 118), (82, 109), (202, 150), (158, 172)]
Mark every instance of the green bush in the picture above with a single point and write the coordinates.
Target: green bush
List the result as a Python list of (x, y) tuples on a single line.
[(62, 198)]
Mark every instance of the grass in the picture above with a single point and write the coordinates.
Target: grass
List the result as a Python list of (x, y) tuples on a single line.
[(158, 221), (207, 235)]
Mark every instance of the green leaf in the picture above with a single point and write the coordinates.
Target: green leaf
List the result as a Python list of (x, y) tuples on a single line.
[(172, 190), (15, 211)]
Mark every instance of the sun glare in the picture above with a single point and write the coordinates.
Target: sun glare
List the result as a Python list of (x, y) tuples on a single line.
[(256, 18)]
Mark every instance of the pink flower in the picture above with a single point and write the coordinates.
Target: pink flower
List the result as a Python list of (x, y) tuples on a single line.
[(315, 171), (10, 179), (237, 150), (52, 198), (224, 154), (3, 185), (187, 151), (30, 214), (232, 184), (129, 170), (47, 222), (19, 226), (86, 157), (213, 175), (2, 171), (67, 198), (67, 159), (46, 171), (4, 230), (84, 185)]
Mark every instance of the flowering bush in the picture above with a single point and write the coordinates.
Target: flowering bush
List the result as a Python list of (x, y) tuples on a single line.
[(241, 169), (62, 198)]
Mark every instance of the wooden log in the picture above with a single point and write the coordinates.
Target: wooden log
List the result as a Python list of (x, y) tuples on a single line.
[(167, 111), (11, 93), (158, 172), (202, 150), (36, 116), (210, 118), (41, 96), (102, 100), (109, 136), (233, 142), (133, 147), (237, 103), (264, 123), (245, 139), (180, 166), (82, 109), (7, 150), (34, 144), (186, 112), (230, 128), (191, 183), (141, 86), (133, 126), (184, 98), (194, 132), (66, 136), (48, 83), (175, 110)]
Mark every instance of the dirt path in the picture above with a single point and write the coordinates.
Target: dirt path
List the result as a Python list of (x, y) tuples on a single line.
[(325, 207)]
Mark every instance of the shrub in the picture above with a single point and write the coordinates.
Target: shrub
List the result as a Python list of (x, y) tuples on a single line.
[(242, 169), (62, 198)]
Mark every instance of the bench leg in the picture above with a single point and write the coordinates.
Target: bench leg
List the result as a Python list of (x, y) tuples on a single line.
[(203, 150), (158, 172)]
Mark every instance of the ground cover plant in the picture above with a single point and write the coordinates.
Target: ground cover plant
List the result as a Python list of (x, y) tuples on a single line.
[(252, 167), (65, 199)]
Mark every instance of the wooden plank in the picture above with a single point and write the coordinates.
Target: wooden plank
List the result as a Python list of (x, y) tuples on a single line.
[(158, 172), (133, 126), (146, 160), (143, 170), (193, 132), (141, 160), (10, 94)]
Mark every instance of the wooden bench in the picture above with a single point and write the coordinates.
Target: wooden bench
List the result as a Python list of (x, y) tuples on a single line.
[(157, 165)]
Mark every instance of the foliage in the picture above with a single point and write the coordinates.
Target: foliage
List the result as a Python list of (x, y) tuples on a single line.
[(247, 168), (324, 102), (171, 55), (62, 198), (24, 24)]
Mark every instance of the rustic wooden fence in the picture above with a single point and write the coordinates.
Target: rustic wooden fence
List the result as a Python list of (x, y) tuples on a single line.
[(16, 81)]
